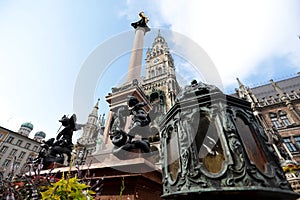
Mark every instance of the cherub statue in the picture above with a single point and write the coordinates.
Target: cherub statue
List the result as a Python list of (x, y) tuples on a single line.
[(140, 117), (53, 150), (64, 137), (139, 126)]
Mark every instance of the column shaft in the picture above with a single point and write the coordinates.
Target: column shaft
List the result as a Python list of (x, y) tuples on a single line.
[(135, 64)]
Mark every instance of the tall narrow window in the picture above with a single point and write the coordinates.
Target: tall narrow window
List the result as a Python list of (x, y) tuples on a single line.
[(291, 147), (6, 163), (19, 142), (35, 148), (3, 149), (297, 140), (22, 154), (13, 152), (27, 145), (159, 71), (274, 120), (152, 73), (284, 118), (10, 139)]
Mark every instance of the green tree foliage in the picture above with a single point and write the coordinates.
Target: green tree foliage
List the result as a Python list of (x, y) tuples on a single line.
[(67, 189)]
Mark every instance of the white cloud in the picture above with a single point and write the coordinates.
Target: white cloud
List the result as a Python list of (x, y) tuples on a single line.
[(237, 35), (185, 73)]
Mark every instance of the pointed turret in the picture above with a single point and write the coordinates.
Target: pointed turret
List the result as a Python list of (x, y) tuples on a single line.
[(285, 98), (246, 93), (241, 85), (243, 92), (148, 54), (278, 90), (91, 127), (95, 109)]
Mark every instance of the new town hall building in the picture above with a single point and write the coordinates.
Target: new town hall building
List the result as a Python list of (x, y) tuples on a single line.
[(277, 107)]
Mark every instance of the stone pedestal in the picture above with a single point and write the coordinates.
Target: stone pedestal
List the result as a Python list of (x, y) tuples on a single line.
[(142, 180), (116, 99), (213, 148)]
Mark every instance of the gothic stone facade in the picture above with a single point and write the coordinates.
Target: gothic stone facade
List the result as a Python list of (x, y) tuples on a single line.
[(277, 107)]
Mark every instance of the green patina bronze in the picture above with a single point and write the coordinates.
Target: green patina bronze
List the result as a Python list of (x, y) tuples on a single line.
[(214, 148)]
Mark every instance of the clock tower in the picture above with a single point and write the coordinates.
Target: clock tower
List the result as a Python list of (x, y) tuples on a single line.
[(160, 83)]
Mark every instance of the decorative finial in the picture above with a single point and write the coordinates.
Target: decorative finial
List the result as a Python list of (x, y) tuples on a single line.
[(277, 89), (239, 82), (97, 104)]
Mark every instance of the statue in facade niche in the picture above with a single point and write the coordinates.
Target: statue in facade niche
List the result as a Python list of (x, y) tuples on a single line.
[(53, 150), (139, 126)]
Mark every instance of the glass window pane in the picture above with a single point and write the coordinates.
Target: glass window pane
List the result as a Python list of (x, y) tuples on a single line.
[(291, 147), (253, 149), (275, 122), (173, 153), (285, 120), (297, 140)]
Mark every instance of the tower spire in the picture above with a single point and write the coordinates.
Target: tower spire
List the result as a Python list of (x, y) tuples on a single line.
[(239, 82), (95, 109), (245, 92), (242, 91), (97, 104)]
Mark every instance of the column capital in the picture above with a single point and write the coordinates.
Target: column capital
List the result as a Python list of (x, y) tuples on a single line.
[(145, 29)]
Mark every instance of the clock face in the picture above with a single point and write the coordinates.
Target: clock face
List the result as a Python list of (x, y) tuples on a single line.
[(156, 60)]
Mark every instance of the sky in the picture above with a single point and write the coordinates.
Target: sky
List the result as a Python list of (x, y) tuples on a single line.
[(45, 45)]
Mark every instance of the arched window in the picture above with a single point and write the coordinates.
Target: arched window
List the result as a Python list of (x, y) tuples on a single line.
[(157, 50), (152, 73), (173, 84), (283, 117), (274, 119), (159, 71)]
